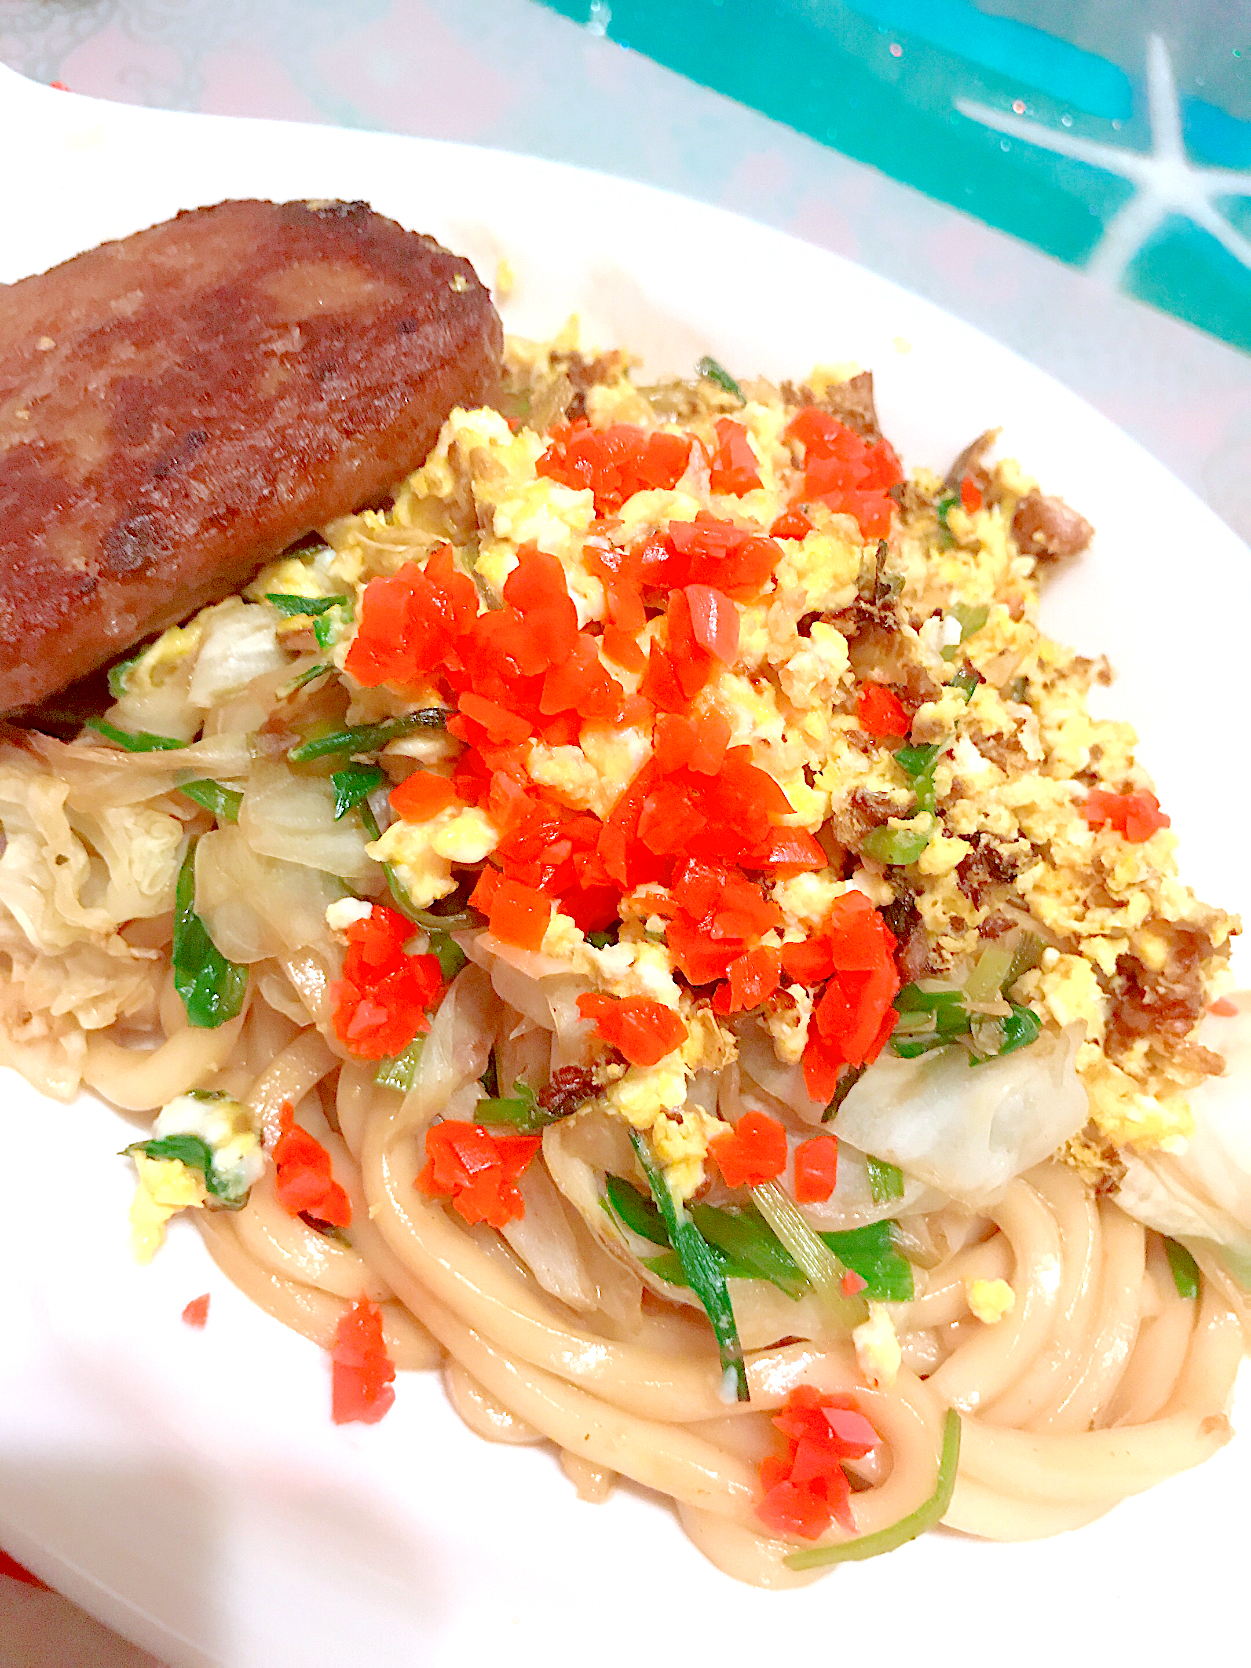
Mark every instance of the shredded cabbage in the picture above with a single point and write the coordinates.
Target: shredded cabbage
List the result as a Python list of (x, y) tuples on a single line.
[(968, 1130)]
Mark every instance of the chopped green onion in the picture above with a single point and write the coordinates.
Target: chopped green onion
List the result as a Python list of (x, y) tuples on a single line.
[(871, 1252), (134, 741), (448, 953), (329, 627), (971, 622), (885, 1180), (224, 803), (1028, 954), (846, 1083), (601, 940), (366, 738), (897, 846), (702, 1270), (1185, 1268), (397, 1071), (351, 785), (521, 1109), (196, 1154), (987, 979), (995, 1037), (212, 989), (668, 1267), (119, 674), (636, 1210), (966, 682), (929, 1513), (292, 606), (918, 761), (708, 367), (307, 676), (944, 507), (813, 1255), (749, 1242), (490, 1079)]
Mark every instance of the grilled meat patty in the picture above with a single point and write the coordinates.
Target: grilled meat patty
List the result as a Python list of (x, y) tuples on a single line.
[(178, 407)]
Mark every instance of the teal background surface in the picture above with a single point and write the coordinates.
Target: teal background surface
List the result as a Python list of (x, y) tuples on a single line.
[(891, 82)]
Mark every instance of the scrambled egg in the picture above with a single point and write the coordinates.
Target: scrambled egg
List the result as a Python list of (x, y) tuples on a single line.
[(424, 853), (989, 1300), (878, 1352), (166, 1186)]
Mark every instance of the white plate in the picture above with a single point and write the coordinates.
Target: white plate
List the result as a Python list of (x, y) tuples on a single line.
[(189, 1488)]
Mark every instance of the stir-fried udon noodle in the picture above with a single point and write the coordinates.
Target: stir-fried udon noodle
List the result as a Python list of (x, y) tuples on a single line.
[(646, 925)]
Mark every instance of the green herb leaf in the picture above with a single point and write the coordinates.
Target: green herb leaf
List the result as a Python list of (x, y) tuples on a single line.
[(944, 507), (223, 802), (521, 1109), (212, 989), (897, 846), (929, 1513), (133, 741), (701, 1267), (397, 1071), (885, 1180), (1185, 1269), (708, 367), (872, 1253), (292, 606), (366, 738), (351, 785), (601, 940)]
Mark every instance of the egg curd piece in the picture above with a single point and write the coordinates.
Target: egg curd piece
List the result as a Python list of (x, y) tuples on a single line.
[(166, 1186), (423, 853)]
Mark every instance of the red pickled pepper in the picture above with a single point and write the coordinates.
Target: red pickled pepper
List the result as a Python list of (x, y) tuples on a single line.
[(644, 1031), (615, 462), (805, 1487), (880, 711), (970, 495), (816, 1169), (380, 1001), (477, 1169), (754, 1151), (852, 475), (734, 469), (305, 1186), (196, 1312), (361, 1369), (853, 955), (1135, 816)]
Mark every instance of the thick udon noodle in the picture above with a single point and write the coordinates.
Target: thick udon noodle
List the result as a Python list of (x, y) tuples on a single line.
[(1101, 1382)]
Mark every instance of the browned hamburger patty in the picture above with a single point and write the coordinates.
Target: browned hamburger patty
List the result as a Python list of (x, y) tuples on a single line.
[(179, 407)]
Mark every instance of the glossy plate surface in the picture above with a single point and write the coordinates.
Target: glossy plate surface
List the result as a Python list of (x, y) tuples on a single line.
[(189, 1487)]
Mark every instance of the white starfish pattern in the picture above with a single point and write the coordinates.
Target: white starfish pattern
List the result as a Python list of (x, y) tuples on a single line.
[(1168, 182)]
